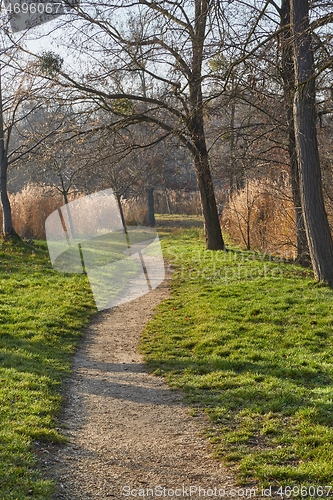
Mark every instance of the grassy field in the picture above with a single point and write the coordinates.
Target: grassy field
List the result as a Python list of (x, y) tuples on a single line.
[(249, 340), (41, 315)]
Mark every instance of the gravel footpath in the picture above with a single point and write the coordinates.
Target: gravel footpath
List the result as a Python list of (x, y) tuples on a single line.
[(127, 430)]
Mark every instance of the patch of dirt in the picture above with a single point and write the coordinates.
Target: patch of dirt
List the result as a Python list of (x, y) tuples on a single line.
[(126, 428)]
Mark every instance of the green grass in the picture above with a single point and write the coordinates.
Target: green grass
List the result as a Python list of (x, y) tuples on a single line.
[(249, 340), (41, 315)]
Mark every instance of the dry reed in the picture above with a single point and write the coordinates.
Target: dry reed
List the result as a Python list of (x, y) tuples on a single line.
[(261, 216), (31, 207)]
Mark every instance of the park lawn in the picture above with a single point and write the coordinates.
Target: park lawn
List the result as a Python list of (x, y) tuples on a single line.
[(42, 313), (248, 338)]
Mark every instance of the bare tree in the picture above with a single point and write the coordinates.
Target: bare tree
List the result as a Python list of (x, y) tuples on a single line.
[(16, 105), (170, 46)]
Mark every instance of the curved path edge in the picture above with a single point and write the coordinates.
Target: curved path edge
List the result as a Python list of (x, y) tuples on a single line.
[(128, 434)]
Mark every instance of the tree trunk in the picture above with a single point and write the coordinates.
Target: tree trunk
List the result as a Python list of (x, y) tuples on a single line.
[(7, 223), (214, 240), (316, 223), (64, 193), (288, 76), (121, 212), (167, 201), (151, 207), (303, 253)]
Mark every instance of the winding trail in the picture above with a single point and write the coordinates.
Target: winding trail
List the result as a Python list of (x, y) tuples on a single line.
[(125, 427)]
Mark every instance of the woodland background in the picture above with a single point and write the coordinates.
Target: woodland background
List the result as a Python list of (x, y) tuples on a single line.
[(178, 106)]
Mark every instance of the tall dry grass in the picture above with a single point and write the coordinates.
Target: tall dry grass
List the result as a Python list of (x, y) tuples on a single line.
[(135, 211), (177, 202), (261, 216), (31, 207)]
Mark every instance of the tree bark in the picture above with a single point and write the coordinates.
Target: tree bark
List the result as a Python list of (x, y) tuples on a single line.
[(288, 76), (7, 223), (167, 200), (214, 240), (121, 212), (316, 223)]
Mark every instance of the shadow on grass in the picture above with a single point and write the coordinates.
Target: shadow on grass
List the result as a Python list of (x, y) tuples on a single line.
[(273, 421), (263, 384)]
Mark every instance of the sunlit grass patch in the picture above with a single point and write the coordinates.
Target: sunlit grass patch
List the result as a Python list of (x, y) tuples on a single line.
[(41, 316), (248, 338)]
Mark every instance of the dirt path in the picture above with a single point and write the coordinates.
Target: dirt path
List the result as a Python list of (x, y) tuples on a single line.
[(126, 429)]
